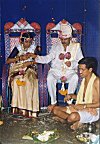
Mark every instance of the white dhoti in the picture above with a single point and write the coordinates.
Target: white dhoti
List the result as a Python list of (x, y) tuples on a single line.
[(54, 75), (86, 117)]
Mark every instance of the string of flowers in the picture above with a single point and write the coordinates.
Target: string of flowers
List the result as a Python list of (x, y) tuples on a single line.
[(65, 57)]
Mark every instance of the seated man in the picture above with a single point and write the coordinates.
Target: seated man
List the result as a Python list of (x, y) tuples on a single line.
[(64, 57), (23, 77), (87, 104)]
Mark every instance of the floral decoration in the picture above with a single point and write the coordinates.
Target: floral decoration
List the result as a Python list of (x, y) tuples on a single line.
[(68, 55), (20, 83), (63, 92), (61, 56), (63, 79)]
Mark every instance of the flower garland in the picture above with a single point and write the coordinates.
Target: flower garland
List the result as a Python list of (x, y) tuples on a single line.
[(20, 83), (63, 79)]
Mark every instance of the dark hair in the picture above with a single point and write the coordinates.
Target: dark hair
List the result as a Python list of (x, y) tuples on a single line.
[(38, 50), (90, 62), (26, 35)]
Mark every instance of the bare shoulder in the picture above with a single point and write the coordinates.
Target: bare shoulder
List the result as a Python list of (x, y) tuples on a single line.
[(96, 89), (97, 82)]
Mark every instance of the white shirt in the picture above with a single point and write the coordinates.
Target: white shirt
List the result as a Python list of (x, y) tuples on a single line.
[(56, 50)]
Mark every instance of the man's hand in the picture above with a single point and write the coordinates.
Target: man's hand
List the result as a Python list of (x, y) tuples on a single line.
[(33, 56), (67, 98), (72, 108), (92, 111), (68, 63), (79, 106)]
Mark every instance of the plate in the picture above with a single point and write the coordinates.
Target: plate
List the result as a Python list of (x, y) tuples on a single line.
[(46, 136), (86, 137)]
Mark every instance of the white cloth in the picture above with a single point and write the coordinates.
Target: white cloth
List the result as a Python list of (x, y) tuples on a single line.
[(56, 71), (88, 93), (86, 117)]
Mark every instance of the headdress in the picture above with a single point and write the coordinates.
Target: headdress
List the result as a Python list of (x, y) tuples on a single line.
[(65, 29)]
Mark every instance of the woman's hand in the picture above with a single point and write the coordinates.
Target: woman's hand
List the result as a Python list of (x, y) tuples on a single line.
[(23, 57), (26, 64), (79, 106)]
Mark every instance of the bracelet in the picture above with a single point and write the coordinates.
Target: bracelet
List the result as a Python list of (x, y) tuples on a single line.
[(31, 63)]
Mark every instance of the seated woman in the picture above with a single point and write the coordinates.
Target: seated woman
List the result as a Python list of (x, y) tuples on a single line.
[(23, 77)]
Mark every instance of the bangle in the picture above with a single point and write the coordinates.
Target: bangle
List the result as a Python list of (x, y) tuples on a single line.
[(31, 63)]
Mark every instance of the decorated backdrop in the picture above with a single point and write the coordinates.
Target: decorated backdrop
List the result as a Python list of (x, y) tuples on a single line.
[(85, 12)]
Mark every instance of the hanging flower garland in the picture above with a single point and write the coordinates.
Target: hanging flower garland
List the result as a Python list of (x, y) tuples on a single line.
[(63, 79), (20, 83)]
